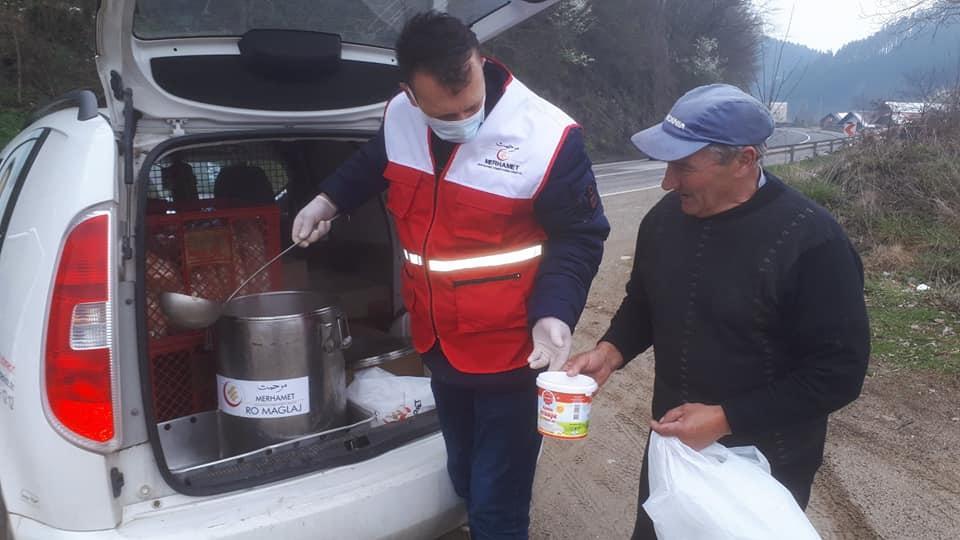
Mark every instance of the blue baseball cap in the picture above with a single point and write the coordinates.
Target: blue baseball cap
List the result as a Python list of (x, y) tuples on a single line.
[(716, 113)]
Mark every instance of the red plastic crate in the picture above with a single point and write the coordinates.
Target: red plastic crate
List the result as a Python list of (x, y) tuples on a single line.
[(206, 251), (183, 376)]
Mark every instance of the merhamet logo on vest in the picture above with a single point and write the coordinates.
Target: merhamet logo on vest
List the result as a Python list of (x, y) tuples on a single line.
[(502, 161)]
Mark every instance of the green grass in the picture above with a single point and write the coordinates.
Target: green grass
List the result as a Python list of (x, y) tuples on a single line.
[(917, 330), (825, 193), (804, 176), (791, 170), (10, 124), (910, 328), (933, 245)]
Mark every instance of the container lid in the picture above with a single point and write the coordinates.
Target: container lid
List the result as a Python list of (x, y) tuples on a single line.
[(559, 381)]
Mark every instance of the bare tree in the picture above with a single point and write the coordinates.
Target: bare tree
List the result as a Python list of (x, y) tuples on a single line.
[(713, 41), (924, 86), (913, 14), (574, 18), (773, 87)]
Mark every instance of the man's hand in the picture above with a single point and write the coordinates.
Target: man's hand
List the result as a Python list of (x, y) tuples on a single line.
[(696, 424), (599, 363), (313, 222), (551, 344)]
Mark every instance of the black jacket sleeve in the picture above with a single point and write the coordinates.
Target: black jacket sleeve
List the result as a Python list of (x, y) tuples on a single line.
[(360, 177), (570, 212), (631, 329), (828, 339)]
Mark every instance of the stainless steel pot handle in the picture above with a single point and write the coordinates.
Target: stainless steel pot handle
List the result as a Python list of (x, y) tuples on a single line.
[(344, 328), (342, 340)]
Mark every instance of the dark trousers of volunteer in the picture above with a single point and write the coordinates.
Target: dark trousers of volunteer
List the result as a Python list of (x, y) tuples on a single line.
[(798, 480), (492, 447)]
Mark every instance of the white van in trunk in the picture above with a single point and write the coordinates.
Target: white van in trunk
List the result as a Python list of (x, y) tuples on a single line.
[(221, 118)]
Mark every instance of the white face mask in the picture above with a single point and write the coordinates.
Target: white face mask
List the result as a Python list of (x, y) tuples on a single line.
[(458, 131)]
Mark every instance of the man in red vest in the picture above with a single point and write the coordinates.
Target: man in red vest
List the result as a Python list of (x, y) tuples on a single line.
[(496, 209)]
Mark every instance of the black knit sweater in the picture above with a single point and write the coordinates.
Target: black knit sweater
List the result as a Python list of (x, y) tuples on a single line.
[(759, 309)]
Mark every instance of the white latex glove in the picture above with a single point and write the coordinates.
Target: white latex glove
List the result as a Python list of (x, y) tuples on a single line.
[(551, 344), (313, 222)]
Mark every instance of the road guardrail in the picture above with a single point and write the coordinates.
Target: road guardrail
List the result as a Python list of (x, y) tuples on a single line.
[(817, 148)]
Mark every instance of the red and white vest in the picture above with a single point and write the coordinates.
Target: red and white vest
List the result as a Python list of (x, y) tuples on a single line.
[(471, 242)]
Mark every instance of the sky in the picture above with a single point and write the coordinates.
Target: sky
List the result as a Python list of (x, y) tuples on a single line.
[(825, 25)]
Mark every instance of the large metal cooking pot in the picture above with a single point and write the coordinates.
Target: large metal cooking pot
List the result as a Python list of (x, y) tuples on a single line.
[(280, 368)]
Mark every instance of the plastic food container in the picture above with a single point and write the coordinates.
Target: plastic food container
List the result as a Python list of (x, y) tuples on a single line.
[(563, 404)]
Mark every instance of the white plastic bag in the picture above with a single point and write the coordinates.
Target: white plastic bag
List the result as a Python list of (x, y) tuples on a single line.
[(719, 493), (390, 398)]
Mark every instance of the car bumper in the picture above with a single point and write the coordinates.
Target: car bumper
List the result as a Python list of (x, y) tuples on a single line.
[(405, 493)]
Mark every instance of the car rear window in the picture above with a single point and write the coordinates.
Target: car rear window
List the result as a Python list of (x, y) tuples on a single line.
[(13, 171), (205, 168), (369, 22)]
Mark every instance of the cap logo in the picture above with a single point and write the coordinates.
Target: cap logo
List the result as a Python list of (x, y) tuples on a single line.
[(675, 122)]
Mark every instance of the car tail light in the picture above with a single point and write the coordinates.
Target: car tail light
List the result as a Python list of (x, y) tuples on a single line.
[(80, 374)]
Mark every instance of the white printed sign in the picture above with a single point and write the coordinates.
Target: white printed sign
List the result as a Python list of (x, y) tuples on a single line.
[(264, 399)]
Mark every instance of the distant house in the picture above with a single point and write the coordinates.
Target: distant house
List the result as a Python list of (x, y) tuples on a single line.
[(897, 113), (780, 112), (853, 117), (832, 120), (852, 123)]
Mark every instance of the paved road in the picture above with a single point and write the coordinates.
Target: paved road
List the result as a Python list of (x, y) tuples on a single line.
[(622, 177), (628, 176), (787, 136)]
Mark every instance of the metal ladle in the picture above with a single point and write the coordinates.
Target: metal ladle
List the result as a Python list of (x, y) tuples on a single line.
[(195, 313)]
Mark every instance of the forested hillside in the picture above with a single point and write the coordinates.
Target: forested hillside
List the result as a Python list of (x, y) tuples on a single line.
[(617, 65), (614, 65), (902, 62)]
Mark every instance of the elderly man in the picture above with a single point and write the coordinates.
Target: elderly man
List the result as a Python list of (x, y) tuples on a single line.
[(750, 293)]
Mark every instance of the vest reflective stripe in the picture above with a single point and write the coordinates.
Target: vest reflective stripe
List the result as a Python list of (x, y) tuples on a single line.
[(487, 261), (413, 258), (464, 228)]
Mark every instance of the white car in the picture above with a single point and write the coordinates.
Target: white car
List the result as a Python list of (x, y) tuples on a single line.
[(216, 112)]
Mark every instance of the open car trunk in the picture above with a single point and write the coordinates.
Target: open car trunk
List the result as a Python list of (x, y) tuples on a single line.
[(212, 212), (243, 107)]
